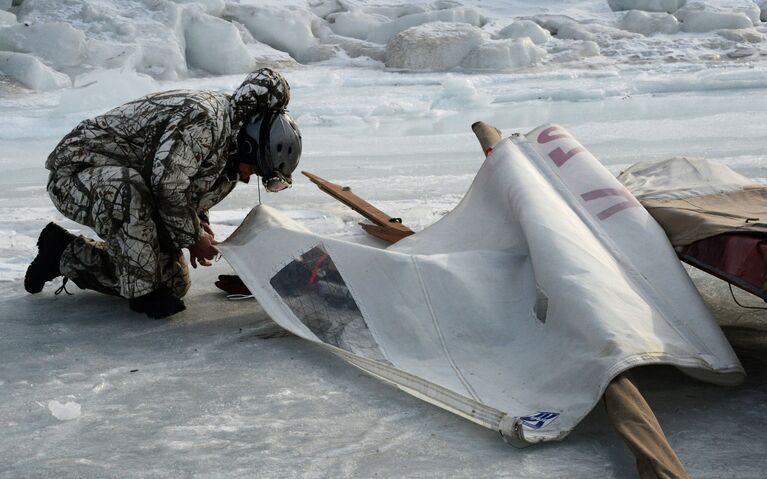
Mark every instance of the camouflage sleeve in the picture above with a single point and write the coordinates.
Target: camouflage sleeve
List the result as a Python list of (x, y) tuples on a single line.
[(187, 140)]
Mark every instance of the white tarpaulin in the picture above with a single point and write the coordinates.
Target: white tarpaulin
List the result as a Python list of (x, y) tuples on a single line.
[(681, 178), (515, 310)]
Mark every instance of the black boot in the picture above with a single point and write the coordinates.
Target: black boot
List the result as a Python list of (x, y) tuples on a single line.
[(231, 284), (158, 304), (45, 267)]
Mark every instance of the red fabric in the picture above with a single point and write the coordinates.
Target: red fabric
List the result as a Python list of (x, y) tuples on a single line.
[(741, 255), (316, 268)]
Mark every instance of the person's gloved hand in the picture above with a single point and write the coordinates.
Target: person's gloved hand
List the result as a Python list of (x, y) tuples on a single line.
[(204, 250)]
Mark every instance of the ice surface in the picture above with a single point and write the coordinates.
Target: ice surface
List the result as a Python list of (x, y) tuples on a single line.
[(7, 18), (565, 27), (210, 398), (102, 89), (355, 48), (204, 395), (145, 35), (386, 31), (57, 43), (725, 12), (187, 38), (356, 23), (460, 92), (702, 21), (648, 23), (286, 28), (66, 411), (445, 46), (667, 6), (495, 54), (748, 35), (31, 72), (232, 56), (525, 28), (212, 7), (433, 46)]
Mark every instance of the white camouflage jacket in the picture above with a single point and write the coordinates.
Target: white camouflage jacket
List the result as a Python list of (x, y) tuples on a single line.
[(178, 140)]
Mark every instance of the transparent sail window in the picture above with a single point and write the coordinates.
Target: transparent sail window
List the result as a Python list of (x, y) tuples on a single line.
[(315, 291)]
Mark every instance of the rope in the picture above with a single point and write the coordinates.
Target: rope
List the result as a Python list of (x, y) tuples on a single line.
[(239, 297), (63, 288), (743, 305)]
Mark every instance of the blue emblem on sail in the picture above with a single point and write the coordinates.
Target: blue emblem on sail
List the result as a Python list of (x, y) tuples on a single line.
[(539, 419)]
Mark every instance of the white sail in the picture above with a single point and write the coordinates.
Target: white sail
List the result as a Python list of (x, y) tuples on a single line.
[(515, 310)]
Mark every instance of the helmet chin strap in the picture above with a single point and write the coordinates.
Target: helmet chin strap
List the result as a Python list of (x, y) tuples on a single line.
[(232, 169)]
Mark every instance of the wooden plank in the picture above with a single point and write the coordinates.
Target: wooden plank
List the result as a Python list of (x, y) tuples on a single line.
[(389, 235), (387, 228)]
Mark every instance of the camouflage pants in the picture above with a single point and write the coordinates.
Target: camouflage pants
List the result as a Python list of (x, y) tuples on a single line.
[(132, 260)]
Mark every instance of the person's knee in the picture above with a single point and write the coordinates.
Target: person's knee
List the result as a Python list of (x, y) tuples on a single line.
[(120, 200)]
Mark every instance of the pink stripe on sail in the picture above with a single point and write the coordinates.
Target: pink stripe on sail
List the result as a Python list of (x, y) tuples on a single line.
[(601, 193), (559, 157), (630, 202), (546, 135), (603, 215)]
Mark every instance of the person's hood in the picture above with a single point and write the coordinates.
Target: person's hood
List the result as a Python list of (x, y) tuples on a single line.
[(262, 89)]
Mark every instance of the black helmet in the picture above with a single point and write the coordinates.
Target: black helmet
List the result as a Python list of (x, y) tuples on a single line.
[(271, 141)]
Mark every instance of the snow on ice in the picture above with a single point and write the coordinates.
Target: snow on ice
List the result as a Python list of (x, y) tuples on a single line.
[(646, 23), (64, 411), (525, 28), (385, 93), (668, 6), (168, 40), (30, 72)]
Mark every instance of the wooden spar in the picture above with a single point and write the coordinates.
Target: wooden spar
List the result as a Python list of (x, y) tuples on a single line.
[(390, 235), (487, 135), (629, 413), (384, 226)]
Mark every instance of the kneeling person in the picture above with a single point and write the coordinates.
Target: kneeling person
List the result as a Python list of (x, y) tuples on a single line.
[(144, 175)]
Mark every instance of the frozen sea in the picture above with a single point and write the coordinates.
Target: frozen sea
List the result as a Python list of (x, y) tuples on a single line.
[(88, 389)]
